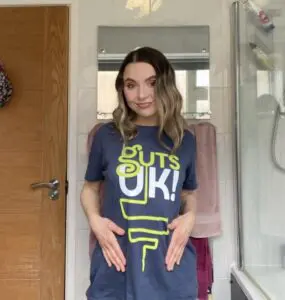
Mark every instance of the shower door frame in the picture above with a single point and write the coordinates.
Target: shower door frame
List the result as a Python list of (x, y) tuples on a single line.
[(236, 97)]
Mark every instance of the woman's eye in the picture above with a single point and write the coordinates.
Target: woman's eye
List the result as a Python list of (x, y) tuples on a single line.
[(152, 83), (130, 85)]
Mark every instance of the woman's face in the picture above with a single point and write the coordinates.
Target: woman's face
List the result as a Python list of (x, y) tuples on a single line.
[(139, 83)]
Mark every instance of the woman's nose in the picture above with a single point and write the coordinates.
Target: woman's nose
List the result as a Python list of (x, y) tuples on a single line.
[(142, 93)]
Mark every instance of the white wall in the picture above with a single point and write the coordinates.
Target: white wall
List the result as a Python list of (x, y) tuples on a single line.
[(86, 16)]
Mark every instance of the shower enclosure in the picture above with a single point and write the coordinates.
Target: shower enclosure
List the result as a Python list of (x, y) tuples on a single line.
[(259, 73)]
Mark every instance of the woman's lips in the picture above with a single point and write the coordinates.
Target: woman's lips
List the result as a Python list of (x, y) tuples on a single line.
[(144, 105)]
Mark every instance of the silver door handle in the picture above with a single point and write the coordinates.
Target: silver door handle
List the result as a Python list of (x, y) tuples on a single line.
[(52, 185)]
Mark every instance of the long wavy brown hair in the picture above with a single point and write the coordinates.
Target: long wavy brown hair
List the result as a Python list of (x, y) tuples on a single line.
[(168, 99)]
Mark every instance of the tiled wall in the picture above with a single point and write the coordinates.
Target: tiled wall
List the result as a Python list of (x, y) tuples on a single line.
[(183, 12)]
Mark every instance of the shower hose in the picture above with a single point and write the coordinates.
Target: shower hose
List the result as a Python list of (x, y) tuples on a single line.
[(277, 118)]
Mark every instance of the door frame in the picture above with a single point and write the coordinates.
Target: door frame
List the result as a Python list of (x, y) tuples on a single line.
[(71, 198)]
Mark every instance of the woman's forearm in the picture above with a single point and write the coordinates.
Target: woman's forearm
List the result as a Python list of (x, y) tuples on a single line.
[(90, 199), (189, 202)]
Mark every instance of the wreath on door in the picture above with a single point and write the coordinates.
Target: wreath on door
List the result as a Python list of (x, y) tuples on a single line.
[(6, 88)]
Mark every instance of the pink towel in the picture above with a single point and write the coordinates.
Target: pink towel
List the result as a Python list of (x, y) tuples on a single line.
[(204, 267), (208, 219)]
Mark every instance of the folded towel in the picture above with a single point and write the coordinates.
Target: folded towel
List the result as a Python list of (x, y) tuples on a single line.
[(208, 219)]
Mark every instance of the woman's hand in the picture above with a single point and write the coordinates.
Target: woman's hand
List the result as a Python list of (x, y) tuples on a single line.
[(105, 230), (182, 227)]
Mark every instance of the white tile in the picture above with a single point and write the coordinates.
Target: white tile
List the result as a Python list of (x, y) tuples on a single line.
[(87, 72), (82, 156), (80, 290), (81, 220), (219, 62), (82, 264), (87, 44), (222, 109), (220, 251), (228, 110), (222, 289), (219, 49), (230, 156), (230, 211), (216, 104), (87, 64), (86, 110), (220, 157), (225, 157), (223, 246)]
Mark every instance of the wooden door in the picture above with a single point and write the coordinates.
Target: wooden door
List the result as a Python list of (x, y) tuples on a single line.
[(33, 134)]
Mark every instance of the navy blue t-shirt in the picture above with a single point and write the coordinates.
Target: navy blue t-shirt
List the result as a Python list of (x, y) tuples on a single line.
[(142, 186)]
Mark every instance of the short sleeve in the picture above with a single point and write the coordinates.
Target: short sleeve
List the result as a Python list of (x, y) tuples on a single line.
[(95, 165), (190, 182)]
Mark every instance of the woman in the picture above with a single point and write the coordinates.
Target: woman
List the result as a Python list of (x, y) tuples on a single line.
[(146, 158)]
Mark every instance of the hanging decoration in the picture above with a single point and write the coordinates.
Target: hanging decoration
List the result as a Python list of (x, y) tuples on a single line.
[(146, 7), (6, 88)]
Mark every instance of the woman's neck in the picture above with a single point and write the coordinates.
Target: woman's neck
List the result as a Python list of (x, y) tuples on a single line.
[(146, 121)]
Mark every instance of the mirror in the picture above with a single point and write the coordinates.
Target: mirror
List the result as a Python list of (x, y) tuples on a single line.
[(186, 47)]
